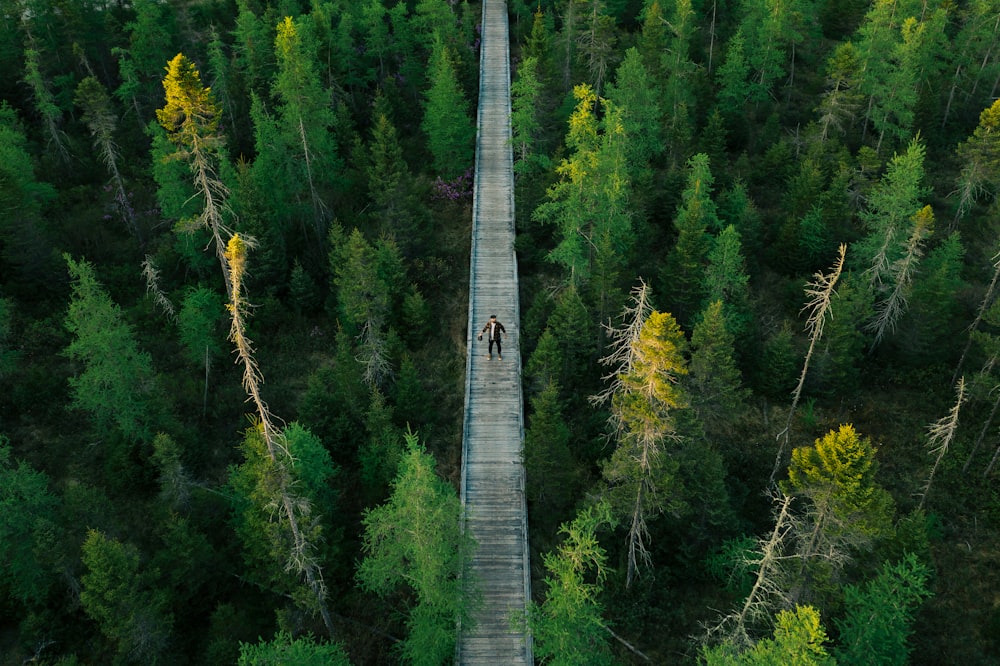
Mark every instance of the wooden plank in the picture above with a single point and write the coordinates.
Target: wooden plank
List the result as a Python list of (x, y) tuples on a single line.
[(492, 472)]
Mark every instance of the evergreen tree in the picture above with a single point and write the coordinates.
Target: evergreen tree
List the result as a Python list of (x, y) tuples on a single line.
[(683, 275), (22, 228), (567, 627), (45, 103), (641, 473), (716, 391), (28, 531), (118, 593), (635, 94), (798, 639), (847, 508), (726, 280), (588, 204), (879, 618), (191, 119), (199, 327), (415, 540), (892, 205), (117, 384), (553, 476), (390, 182), (525, 119), (101, 120), (305, 119), (301, 651), (446, 122)]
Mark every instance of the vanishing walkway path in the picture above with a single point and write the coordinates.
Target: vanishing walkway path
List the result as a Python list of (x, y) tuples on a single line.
[(492, 471)]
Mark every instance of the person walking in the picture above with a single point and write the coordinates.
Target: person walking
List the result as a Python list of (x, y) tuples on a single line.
[(495, 331)]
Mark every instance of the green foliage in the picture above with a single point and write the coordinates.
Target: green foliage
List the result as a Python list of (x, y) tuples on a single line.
[(730, 564), (117, 384), (118, 593), (415, 541), (199, 326), (446, 122), (23, 197), (9, 354), (526, 93), (715, 381), (880, 614), (301, 651), (567, 627), (553, 476), (259, 488), (684, 270), (379, 456), (27, 530), (588, 204), (798, 641), (838, 475)]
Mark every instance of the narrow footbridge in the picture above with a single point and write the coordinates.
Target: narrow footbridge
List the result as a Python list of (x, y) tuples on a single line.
[(492, 470)]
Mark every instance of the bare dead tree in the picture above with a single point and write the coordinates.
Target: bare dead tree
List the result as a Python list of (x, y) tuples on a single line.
[(769, 589), (942, 433), (820, 293), (984, 305), (620, 356), (152, 275), (985, 374), (290, 507), (888, 311)]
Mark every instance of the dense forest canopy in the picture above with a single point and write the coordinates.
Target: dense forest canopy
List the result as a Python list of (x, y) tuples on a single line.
[(758, 245)]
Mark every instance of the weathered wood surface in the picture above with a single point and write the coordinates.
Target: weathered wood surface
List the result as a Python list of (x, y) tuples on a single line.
[(492, 471)]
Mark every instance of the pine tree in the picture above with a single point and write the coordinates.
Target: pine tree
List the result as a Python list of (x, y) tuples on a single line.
[(588, 204), (847, 509), (23, 228), (892, 214), (798, 639), (553, 476), (45, 103), (446, 122), (270, 451), (716, 391), (820, 292), (199, 327), (28, 533), (839, 105), (301, 651), (305, 119), (879, 617), (526, 98), (117, 384), (117, 593), (567, 627), (683, 274), (637, 96), (414, 540)]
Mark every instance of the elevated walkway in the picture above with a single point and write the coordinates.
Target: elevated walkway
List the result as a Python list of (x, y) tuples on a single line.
[(492, 470)]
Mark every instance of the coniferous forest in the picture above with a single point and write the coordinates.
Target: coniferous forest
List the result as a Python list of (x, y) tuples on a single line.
[(759, 251)]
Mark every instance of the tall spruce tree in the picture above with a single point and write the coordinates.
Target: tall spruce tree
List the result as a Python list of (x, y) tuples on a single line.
[(446, 121)]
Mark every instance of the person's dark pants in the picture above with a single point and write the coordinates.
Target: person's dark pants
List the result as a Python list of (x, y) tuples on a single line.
[(499, 353)]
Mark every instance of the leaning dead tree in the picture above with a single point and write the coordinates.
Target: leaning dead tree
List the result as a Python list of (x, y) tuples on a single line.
[(290, 507), (984, 305), (942, 433), (769, 590), (820, 293)]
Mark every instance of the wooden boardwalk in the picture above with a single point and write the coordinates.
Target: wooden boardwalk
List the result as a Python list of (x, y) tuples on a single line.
[(492, 470)]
